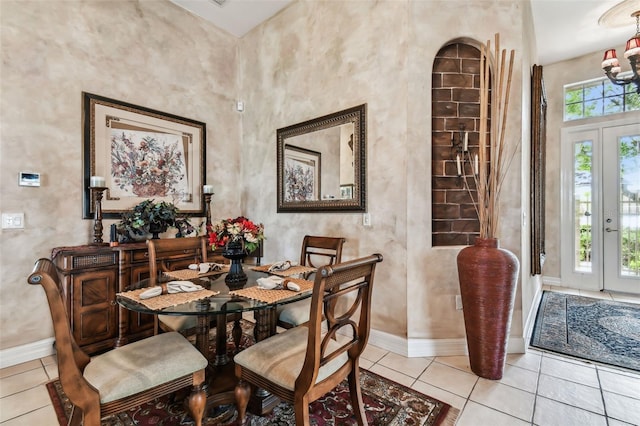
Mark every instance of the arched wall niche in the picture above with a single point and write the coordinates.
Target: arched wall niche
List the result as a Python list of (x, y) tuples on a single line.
[(455, 117)]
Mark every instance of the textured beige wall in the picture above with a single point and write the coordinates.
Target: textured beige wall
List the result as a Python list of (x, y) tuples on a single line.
[(313, 58), (317, 57), (151, 54)]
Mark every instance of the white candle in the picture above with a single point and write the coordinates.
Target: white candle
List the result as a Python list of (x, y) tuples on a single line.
[(207, 189), (475, 164), (466, 142), (458, 165), (97, 182)]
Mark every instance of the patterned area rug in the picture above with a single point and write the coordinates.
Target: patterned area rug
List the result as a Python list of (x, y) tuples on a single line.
[(597, 330), (386, 403)]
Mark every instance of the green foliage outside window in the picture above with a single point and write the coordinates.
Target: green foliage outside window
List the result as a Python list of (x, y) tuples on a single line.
[(597, 98)]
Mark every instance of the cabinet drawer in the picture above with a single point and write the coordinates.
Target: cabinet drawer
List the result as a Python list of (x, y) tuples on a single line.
[(140, 256), (95, 260)]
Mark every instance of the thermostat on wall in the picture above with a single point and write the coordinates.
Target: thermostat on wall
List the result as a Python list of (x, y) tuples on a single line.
[(29, 179)]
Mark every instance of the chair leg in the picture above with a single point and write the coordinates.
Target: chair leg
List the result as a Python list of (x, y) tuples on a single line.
[(356, 395), (242, 393), (91, 416), (197, 403), (76, 417), (237, 335), (301, 408)]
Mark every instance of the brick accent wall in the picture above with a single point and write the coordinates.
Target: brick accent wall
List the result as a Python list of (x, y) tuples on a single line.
[(456, 102)]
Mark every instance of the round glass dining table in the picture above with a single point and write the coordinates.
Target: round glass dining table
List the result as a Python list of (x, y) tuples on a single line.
[(220, 305)]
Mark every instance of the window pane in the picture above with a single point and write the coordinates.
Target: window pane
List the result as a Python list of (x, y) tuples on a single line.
[(613, 105), (574, 111), (582, 206), (611, 89), (632, 102), (573, 94), (629, 205), (593, 108), (593, 91)]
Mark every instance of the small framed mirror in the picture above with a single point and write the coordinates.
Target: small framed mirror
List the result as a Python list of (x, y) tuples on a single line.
[(322, 163)]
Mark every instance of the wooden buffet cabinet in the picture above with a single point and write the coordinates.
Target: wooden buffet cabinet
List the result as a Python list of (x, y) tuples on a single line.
[(91, 275)]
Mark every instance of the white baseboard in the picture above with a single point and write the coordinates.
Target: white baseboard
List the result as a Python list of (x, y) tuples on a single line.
[(552, 281), (28, 352), (432, 347), (531, 319)]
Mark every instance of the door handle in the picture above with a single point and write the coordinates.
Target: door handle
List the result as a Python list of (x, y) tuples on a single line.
[(610, 230)]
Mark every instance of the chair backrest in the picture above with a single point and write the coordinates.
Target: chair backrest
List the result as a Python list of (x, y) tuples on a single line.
[(168, 254), (320, 251), (71, 359), (344, 290)]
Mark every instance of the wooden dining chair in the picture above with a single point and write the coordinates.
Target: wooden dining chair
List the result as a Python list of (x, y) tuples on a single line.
[(162, 258), (303, 363), (316, 252), (122, 378), (169, 254)]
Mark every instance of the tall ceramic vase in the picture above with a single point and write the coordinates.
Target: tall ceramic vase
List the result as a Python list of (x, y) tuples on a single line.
[(488, 278), (236, 277)]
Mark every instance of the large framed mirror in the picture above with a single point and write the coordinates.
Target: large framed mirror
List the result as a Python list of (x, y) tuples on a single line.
[(322, 163)]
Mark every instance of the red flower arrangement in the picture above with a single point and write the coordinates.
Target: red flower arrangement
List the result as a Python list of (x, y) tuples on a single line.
[(240, 229)]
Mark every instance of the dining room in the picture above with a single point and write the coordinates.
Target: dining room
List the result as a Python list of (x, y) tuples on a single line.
[(158, 57)]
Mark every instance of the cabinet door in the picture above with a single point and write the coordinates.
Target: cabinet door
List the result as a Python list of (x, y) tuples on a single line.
[(93, 308)]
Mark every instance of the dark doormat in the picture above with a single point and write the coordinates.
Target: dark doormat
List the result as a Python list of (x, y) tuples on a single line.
[(597, 330)]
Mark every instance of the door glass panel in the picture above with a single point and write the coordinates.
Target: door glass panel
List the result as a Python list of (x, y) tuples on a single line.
[(582, 190), (629, 205)]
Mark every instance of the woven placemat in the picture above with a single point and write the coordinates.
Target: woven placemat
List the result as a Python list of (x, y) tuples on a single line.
[(166, 300), (189, 274), (299, 269), (272, 296)]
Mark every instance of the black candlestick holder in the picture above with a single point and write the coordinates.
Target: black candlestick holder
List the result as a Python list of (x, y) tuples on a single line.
[(97, 217), (207, 207)]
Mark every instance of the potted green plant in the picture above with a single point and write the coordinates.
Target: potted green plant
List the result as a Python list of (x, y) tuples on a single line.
[(150, 217)]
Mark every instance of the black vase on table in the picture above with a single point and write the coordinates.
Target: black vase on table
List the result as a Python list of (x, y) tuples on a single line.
[(236, 278), (155, 229)]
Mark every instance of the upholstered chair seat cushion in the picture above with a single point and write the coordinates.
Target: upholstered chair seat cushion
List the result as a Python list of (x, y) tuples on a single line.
[(295, 313), (279, 359), (133, 368), (179, 322)]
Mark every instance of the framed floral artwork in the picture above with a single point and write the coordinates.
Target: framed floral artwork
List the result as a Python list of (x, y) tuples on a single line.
[(142, 154), (301, 174)]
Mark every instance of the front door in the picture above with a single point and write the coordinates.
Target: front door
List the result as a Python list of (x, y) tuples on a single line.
[(621, 202), (601, 207)]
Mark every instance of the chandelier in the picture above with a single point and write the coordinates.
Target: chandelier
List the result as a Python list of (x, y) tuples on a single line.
[(610, 63)]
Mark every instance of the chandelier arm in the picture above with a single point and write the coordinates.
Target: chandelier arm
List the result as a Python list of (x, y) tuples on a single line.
[(635, 78)]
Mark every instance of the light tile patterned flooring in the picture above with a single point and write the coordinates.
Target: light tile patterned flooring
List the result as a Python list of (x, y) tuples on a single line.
[(537, 388)]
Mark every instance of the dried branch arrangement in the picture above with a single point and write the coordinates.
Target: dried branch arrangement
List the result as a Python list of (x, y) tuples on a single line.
[(492, 157)]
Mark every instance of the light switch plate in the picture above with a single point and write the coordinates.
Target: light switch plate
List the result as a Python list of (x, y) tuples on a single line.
[(366, 219), (12, 220)]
